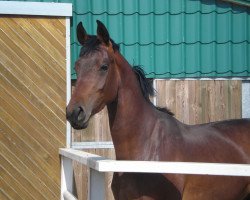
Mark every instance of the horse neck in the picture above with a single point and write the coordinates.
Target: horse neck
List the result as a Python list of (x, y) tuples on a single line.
[(129, 113)]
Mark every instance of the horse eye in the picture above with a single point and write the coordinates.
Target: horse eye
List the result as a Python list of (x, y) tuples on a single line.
[(104, 68)]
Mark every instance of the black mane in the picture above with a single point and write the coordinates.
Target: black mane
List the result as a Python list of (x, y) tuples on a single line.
[(147, 87), (93, 44)]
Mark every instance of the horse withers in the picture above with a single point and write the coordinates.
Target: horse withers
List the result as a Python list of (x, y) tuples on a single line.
[(141, 131)]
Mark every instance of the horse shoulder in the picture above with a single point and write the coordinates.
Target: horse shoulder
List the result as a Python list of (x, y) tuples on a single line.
[(165, 137)]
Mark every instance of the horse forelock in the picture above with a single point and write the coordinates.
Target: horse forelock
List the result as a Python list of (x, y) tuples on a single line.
[(92, 44)]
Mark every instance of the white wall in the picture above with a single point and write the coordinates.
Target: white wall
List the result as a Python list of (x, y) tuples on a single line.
[(245, 99)]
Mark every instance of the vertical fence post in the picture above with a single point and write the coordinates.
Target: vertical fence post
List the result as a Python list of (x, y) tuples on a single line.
[(66, 176), (96, 185), (68, 81)]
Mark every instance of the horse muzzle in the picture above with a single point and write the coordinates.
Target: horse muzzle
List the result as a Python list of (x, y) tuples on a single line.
[(77, 118)]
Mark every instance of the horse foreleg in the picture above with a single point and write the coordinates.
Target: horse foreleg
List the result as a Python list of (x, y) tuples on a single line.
[(246, 193)]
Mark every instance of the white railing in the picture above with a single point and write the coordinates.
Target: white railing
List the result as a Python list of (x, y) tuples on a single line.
[(99, 165), (93, 145)]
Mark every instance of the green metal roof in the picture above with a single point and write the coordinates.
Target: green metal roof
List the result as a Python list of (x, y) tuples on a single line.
[(173, 39)]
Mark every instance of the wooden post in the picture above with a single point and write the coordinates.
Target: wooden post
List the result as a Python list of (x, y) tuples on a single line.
[(66, 176), (96, 185)]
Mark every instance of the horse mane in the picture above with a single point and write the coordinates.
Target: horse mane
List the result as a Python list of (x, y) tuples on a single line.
[(147, 88)]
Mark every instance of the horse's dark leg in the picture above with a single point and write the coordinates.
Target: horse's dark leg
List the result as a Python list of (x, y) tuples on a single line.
[(116, 186), (124, 186), (247, 197), (246, 193), (139, 186)]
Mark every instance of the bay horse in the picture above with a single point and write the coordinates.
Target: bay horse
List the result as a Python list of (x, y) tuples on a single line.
[(141, 131)]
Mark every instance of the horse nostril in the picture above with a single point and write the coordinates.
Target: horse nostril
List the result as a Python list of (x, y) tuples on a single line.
[(81, 114)]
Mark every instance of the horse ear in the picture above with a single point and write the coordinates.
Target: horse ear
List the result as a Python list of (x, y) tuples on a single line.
[(82, 35), (102, 33)]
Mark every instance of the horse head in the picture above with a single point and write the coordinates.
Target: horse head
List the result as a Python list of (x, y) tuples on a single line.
[(97, 76)]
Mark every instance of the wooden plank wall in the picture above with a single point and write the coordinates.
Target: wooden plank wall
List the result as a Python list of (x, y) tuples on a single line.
[(192, 101), (32, 112), (195, 102)]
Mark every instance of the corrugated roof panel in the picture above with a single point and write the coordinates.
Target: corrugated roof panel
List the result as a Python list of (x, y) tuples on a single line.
[(118, 28), (223, 28), (160, 29), (175, 23), (192, 24), (239, 29), (132, 54), (223, 7), (129, 26), (163, 54), (222, 59), (239, 58), (197, 60), (192, 62), (175, 6), (161, 7), (208, 6), (81, 7), (191, 6), (129, 7), (146, 56)]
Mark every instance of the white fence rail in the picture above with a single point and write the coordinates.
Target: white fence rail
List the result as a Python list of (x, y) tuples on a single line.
[(92, 145), (99, 165)]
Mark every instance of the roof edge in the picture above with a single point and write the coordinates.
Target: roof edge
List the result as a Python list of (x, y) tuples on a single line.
[(36, 8), (239, 2)]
